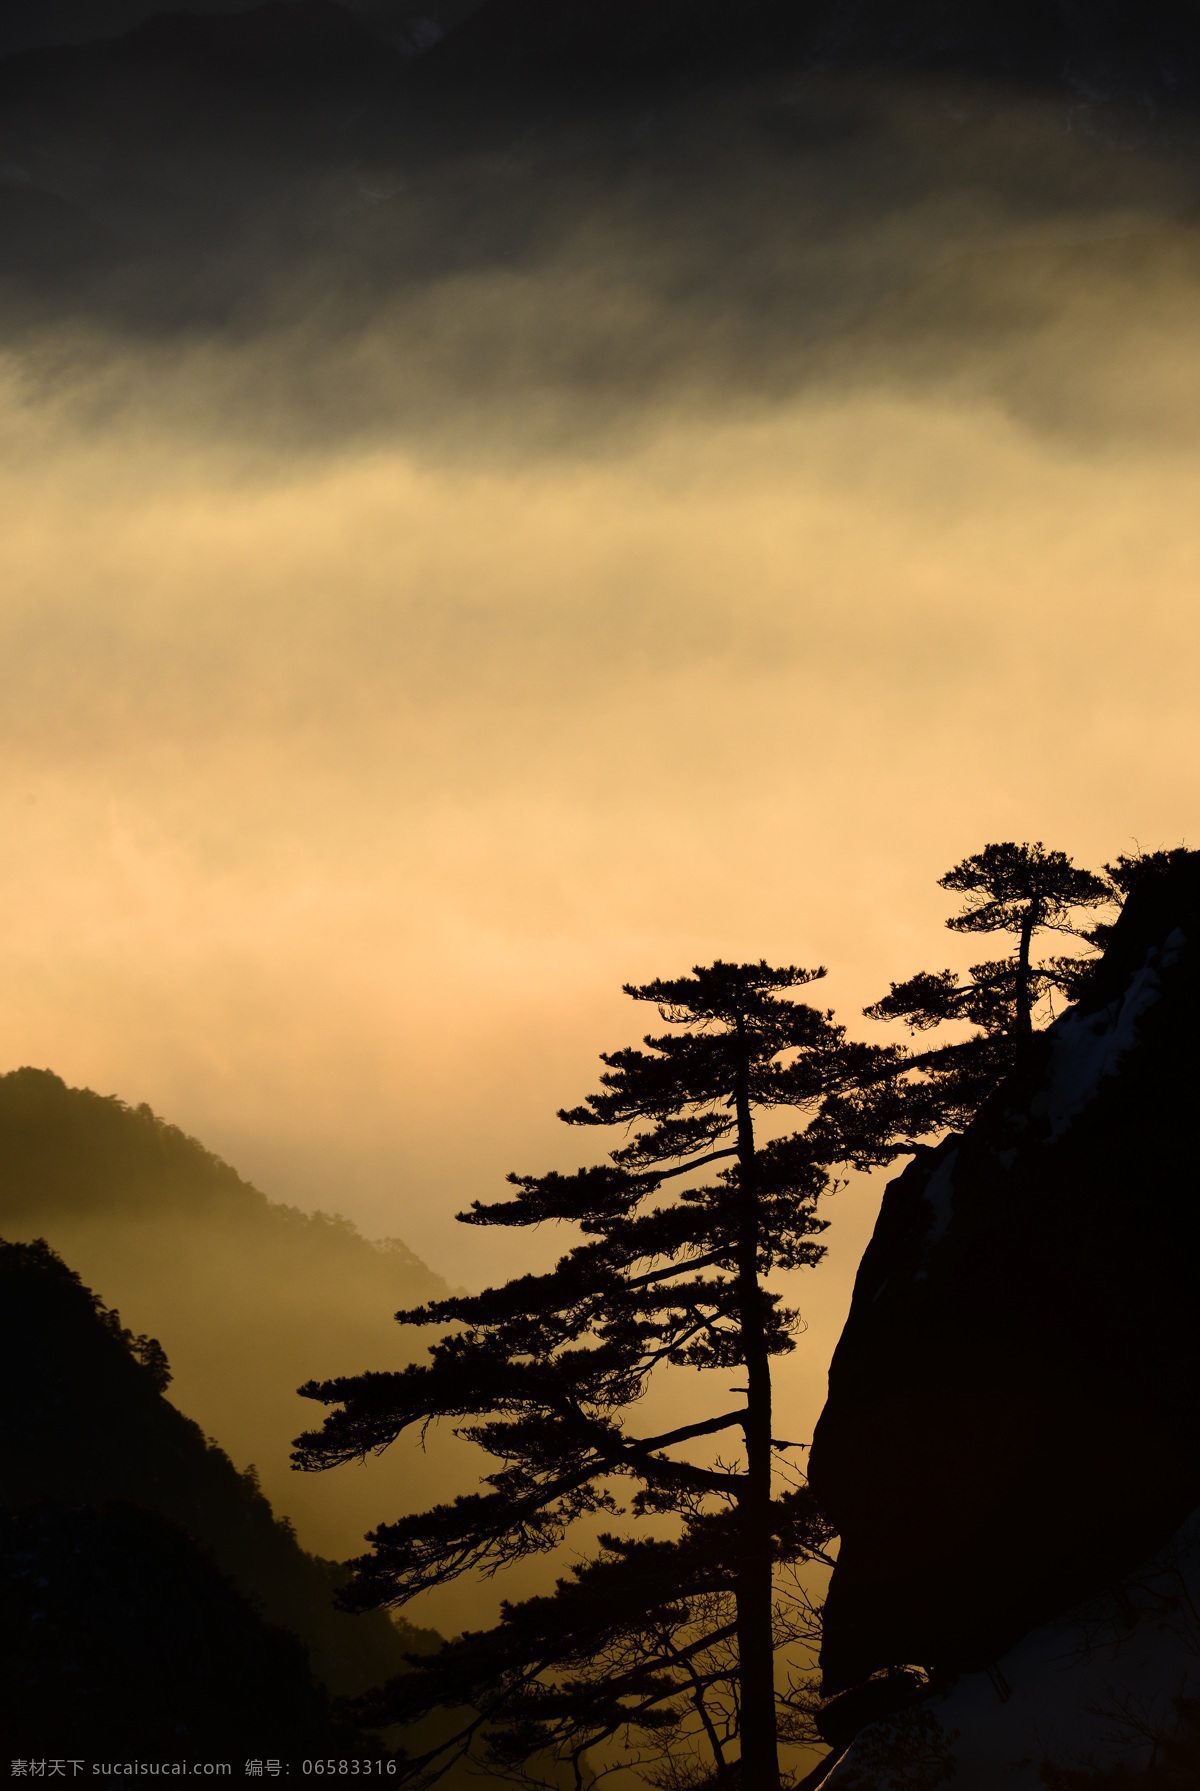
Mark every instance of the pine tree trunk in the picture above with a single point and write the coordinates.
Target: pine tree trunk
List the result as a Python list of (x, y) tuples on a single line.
[(756, 1651), (1024, 1004)]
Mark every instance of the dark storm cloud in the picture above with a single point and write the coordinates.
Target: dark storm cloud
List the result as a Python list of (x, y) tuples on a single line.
[(372, 243)]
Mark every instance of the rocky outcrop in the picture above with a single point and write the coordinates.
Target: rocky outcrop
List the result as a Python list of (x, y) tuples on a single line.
[(1014, 1406)]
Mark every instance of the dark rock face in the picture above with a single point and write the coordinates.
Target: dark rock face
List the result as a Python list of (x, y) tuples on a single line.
[(1014, 1406)]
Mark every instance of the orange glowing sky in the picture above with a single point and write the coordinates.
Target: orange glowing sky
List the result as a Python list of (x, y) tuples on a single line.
[(341, 798), (343, 785)]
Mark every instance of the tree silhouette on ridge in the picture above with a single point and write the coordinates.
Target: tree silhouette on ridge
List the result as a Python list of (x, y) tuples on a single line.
[(1022, 890)]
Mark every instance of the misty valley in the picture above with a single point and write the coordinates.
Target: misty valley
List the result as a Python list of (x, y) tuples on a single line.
[(534, 530)]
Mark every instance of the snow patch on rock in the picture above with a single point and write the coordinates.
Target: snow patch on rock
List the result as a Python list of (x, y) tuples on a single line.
[(1086, 1691), (939, 1195), (1086, 1048)]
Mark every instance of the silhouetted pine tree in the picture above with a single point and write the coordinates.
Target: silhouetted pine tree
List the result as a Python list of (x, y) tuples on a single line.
[(665, 1639), (1022, 890)]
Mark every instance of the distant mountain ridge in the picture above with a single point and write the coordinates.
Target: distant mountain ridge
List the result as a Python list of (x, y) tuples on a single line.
[(250, 1298), (71, 1150)]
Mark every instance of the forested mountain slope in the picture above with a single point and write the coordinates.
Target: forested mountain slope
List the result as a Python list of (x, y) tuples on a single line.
[(85, 1422), (249, 1298), (119, 1635)]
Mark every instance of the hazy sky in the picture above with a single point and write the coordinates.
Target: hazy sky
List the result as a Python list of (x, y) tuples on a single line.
[(345, 774), (341, 795)]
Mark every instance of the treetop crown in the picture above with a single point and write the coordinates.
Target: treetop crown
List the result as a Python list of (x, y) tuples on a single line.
[(1008, 884), (721, 991)]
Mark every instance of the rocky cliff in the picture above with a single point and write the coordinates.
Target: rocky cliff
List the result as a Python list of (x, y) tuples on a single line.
[(1013, 1418)]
